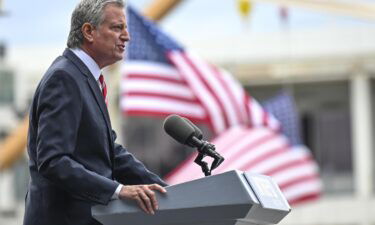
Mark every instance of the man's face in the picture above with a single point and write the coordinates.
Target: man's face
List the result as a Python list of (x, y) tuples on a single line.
[(110, 36)]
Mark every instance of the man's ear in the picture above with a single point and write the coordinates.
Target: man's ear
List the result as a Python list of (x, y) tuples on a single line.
[(87, 32)]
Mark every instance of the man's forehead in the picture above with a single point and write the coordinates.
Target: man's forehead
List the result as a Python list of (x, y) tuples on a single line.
[(114, 7), (114, 13)]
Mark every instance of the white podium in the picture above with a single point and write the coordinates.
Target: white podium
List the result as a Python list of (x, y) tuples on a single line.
[(231, 198)]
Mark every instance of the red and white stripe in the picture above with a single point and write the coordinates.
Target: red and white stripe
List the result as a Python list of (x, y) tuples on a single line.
[(224, 100), (193, 89), (193, 76), (264, 151), (157, 89), (258, 117)]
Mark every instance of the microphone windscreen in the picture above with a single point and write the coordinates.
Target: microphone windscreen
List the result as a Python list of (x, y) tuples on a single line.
[(178, 128), (197, 132)]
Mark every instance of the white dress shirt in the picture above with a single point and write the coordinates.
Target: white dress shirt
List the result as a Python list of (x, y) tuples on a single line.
[(95, 71)]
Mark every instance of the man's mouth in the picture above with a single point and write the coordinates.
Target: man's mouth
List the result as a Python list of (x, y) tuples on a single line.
[(121, 47)]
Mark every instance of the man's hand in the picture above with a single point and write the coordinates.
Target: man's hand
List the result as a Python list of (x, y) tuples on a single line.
[(143, 195)]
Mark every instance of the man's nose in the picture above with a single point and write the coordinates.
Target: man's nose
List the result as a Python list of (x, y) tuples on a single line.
[(125, 36)]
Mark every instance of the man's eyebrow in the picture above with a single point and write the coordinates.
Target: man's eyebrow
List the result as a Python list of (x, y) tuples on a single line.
[(119, 23)]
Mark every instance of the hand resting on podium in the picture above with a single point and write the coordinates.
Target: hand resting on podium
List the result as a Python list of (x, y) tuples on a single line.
[(144, 195)]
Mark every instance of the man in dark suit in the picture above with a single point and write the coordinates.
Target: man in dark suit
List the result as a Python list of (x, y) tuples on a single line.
[(74, 160)]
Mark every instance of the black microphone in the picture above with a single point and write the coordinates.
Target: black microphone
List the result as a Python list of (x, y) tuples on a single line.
[(197, 132), (180, 130), (185, 132)]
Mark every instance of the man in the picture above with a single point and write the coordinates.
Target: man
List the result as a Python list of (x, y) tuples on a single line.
[(74, 160)]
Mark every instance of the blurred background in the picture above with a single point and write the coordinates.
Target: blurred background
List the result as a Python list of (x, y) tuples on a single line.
[(320, 52)]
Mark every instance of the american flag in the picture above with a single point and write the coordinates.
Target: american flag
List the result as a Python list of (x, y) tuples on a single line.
[(160, 78), (265, 151), (283, 107)]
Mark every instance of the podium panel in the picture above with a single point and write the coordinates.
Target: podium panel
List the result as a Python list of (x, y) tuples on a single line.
[(231, 198)]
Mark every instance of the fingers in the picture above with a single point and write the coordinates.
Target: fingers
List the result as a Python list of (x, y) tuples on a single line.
[(141, 204), (143, 195), (157, 187), (154, 202), (151, 195)]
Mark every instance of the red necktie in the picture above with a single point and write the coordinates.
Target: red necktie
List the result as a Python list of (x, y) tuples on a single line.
[(104, 88)]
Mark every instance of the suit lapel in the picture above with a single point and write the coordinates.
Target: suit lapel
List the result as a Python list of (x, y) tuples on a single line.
[(94, 87), (100, 100), (103, 108)]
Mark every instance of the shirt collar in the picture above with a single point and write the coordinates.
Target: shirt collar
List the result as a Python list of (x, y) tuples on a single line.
[(88, 61)]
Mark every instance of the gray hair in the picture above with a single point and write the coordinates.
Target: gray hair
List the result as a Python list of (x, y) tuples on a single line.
[(87, 11)]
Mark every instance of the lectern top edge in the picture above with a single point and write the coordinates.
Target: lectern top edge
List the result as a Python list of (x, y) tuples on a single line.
[(230, 198)]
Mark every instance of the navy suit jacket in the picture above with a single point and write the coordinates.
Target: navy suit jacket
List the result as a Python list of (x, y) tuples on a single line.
[(74, 160)]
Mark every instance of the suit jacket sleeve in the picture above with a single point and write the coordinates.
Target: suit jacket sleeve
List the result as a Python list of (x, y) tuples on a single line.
[(130, 171), (59, 114)]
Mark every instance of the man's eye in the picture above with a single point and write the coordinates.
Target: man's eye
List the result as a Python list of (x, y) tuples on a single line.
[(119, 27)]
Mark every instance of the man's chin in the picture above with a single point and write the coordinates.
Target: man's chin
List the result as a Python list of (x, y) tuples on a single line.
[(120, 56), (116, 59)]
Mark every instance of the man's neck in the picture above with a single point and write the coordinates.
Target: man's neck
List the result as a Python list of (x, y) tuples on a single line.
[(95, 56), (88, 61)]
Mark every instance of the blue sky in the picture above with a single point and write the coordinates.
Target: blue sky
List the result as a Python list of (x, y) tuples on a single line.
[(45, 22)]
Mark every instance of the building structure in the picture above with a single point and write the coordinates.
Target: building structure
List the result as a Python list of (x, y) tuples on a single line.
[(330, 72)]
